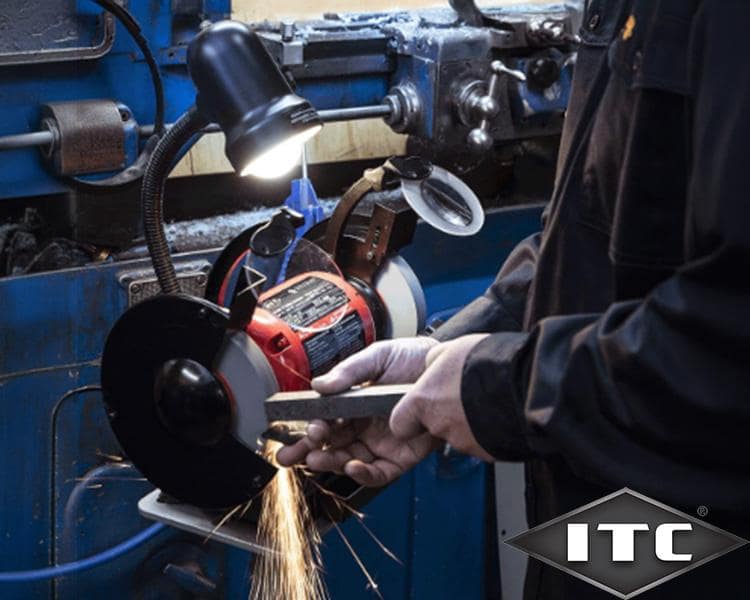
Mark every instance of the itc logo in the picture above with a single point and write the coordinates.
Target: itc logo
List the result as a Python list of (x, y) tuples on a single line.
[(623, 541), (626, 543)]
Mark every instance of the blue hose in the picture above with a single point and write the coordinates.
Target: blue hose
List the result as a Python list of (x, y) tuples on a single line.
[(85, 563)]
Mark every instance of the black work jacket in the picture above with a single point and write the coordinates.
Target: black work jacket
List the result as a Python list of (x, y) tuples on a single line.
[(620, 346)]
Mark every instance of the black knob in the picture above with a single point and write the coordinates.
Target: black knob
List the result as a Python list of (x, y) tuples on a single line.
[(191, 403), (542, 72)]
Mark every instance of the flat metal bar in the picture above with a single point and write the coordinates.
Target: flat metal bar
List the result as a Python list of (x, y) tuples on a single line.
[(369, 401)]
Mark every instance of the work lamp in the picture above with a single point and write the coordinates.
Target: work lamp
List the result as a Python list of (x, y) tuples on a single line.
[(241, 88)]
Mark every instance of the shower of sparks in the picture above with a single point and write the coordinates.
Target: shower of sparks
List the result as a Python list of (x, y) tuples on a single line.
[(227, 517), (370, 579), (292, 570)]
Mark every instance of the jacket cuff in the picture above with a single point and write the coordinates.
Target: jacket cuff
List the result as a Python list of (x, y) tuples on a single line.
[(492, 398)]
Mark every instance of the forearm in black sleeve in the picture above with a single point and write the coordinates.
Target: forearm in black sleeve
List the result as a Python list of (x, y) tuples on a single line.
[(501, 308), (654, 393)]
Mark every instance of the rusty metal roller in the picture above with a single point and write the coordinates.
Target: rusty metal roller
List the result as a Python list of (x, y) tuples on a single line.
[(89, 136)]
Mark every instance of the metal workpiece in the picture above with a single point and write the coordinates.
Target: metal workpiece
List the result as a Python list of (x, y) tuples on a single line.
[(306, 405)]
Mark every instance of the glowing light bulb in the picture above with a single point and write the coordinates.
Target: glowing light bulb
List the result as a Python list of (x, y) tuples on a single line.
[(281, 158)]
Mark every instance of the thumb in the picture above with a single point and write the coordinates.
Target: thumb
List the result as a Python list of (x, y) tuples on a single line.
[(405, 422), (366, 365)]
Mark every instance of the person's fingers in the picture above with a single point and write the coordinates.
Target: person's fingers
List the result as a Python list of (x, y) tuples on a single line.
[(296, 453), (405, 421), (415, 449), (376, 474), (366, 365), (319, 432), (328, 460), (346, 432), (360, 451)]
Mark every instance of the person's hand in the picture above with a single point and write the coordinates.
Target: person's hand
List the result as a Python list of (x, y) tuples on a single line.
[(391, 361), (365, 449), (373, 452), (434, 403)]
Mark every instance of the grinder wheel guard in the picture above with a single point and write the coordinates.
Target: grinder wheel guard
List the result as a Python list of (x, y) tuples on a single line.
[(218, 475)]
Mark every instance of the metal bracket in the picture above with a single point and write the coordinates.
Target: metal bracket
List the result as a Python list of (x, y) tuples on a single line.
[(235, 532), (142, 284)]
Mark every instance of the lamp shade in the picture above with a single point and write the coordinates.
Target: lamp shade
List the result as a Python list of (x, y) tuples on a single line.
[(241, 88)]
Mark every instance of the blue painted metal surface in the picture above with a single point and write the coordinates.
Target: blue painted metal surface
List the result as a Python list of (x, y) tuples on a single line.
[(121, 75), (53, 329)]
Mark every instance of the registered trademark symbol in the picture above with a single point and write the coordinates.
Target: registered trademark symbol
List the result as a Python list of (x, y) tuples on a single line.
[(702, 511)]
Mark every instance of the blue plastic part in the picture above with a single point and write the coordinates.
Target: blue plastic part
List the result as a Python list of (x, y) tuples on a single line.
[(304, 200), (84, 564)]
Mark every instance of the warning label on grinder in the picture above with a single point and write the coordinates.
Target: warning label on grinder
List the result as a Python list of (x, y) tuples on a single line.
[(329, 347), (306, 302)]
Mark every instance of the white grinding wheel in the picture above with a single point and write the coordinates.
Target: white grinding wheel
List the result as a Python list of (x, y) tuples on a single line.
[(403, 297)]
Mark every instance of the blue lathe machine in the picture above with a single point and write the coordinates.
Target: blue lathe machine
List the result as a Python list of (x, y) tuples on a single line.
[(480, 95)]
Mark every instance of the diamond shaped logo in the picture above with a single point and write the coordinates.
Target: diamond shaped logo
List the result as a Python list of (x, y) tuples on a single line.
[(626, 543)]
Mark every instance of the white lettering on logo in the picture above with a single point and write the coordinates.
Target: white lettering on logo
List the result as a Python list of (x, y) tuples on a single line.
[(623, 539), (665, 541), (578, 542)]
